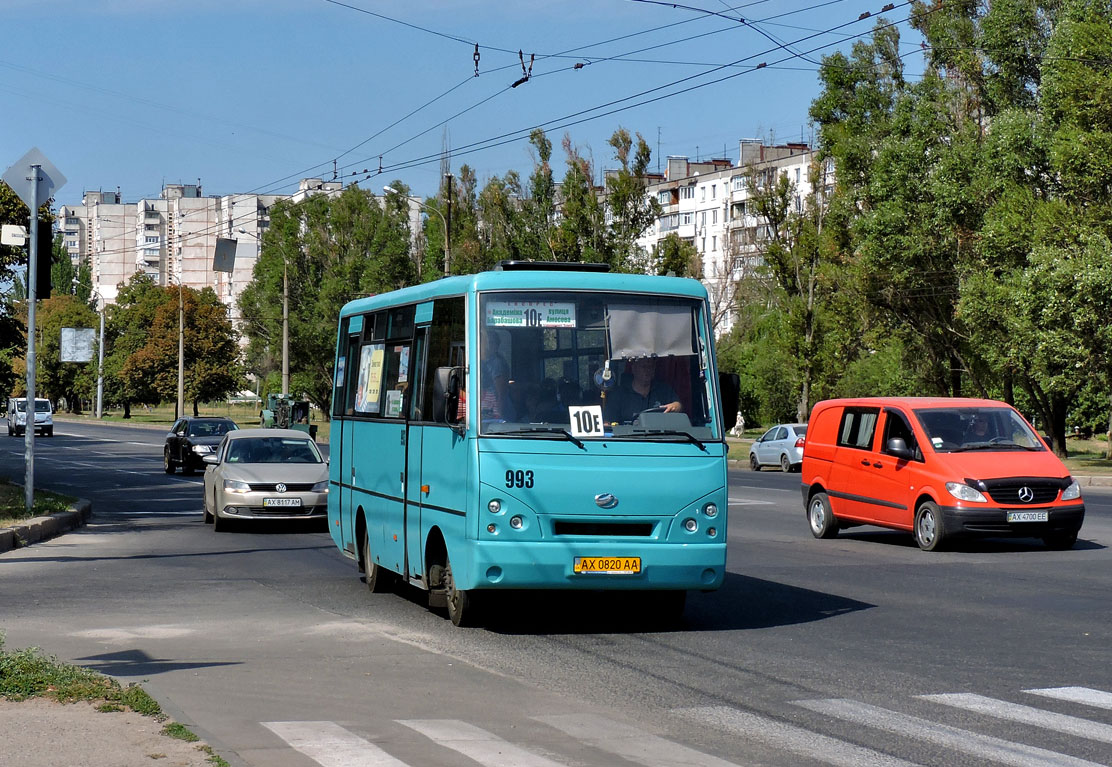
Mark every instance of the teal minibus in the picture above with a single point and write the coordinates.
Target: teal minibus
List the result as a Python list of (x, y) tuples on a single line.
[(538, 426)]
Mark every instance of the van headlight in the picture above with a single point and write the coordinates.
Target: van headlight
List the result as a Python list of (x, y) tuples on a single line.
[(1072, 493), (964, 492)]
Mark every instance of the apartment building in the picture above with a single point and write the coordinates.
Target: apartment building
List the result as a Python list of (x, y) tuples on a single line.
[(707, 204)]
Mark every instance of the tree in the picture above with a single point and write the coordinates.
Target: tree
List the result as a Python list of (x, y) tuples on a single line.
[(677, 257), (332, 250), (56, 379), (631, 209), (539, 204), (127, 327), (581, 235)]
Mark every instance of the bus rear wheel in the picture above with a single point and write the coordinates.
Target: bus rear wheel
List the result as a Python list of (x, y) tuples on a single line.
[(378, 579)]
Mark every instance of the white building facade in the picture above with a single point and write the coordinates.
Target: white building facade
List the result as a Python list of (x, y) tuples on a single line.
[(707, 205)]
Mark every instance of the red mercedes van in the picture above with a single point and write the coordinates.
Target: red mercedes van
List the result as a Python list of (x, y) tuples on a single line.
[(938, 467)]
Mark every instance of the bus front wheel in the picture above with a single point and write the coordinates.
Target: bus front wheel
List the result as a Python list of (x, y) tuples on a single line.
[(461, 603), (378, 579)]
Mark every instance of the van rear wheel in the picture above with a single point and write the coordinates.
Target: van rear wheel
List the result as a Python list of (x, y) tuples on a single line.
[(820, 518), (930, 531)]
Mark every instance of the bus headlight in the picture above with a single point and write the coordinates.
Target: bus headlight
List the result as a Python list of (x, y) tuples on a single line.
[(516, 522), (710, 510), (494, 507), (690, 525)]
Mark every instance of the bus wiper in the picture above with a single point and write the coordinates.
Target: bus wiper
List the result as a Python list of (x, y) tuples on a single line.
[(553, 430), (669, 433)]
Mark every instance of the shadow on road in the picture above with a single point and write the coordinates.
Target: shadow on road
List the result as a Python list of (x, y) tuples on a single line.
[(138, 663)]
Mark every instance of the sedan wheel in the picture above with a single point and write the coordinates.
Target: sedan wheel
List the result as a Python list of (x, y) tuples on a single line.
[(205, 508), (785, 464), (754, 464), (167, 462)]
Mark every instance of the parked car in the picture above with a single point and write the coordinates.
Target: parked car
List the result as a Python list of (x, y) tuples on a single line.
[(191, 439), (782, 446), (936, 467), (17, 417), (265, 474)]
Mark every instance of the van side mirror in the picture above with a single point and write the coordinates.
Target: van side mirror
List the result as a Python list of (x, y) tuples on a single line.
[(445, 394), (729, 385), (897, 447)]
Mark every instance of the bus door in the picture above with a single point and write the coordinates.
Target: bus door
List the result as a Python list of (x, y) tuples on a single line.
[(415, 433), (341, 466)]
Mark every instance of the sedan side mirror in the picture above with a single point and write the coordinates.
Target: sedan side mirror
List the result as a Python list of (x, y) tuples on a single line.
[(210, 458), (897, 447)]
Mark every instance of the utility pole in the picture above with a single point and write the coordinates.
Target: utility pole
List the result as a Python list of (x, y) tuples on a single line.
[(32, 277), (448, 229), (181, 350)]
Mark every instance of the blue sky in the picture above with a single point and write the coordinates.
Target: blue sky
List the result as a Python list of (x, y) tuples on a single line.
[(250, 95)]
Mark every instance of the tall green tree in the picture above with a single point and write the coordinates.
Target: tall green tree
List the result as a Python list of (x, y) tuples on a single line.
[(54, 378), (632, 210)]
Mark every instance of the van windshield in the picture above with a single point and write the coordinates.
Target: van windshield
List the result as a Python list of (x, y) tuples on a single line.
[(959, 429), (593, 365), (41, 406)]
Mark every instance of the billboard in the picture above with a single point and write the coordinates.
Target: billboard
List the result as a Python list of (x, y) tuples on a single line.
[(77, 344)]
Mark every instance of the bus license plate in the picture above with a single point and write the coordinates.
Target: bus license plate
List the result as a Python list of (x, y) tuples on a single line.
[(620, 565), (281, 501), (1027, 516)]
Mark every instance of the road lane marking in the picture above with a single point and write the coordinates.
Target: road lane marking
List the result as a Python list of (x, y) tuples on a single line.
[(330, 745), (477, 744), (1070, 725), (1089, 697), (797, 740), (630, 742), (955, 738)]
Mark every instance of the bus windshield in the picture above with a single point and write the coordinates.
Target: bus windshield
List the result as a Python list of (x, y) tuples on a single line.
[(593, 365)]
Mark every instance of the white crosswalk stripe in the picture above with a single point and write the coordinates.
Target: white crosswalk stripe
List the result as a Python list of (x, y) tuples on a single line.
[(1089, 697), (629, 742), (477, 744), (797, 740), (965, 741), (1070, 725), (791, 738), (330, 745)]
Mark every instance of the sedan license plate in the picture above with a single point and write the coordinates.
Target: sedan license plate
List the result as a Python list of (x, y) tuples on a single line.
[(270, 502), (1027, 516), (618, 565)]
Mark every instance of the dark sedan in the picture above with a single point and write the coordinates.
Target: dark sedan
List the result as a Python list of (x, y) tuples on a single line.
[(191, 439)]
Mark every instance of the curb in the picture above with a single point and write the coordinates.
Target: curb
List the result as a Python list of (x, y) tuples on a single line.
[(42, 528)]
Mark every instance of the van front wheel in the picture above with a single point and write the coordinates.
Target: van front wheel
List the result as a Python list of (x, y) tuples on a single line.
[(930, 531), (820, 518)]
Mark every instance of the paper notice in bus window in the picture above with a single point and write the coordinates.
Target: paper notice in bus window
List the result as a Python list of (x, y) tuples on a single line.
[(403, 363), (530, 314), (370, 378), (340, 372), (393, 403)]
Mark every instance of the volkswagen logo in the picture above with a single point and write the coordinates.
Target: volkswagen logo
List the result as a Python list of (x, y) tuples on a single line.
[(1026, 494), (606, 500), (281, 487)]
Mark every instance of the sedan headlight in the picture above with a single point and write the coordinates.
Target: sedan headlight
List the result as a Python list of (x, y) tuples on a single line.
[(320, 487), (1072, 493), (236, 486), (964, 492), (202, 449)]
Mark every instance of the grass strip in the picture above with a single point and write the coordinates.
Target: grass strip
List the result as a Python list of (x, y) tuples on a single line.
[(29, 673)]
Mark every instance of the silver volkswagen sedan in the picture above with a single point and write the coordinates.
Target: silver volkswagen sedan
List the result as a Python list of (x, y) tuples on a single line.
[(265, 474)]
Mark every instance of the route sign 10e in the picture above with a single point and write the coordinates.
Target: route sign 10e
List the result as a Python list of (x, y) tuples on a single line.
[(586, 421), (530, 314)]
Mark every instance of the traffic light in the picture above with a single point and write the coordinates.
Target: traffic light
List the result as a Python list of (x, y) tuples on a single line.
[(45, 259)]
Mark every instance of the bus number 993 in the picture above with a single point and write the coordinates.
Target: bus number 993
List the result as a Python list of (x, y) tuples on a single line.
[(519, 478)]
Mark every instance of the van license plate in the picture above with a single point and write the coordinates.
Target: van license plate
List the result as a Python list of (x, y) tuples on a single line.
[(281, 501), (619, 565), (1027, 516)]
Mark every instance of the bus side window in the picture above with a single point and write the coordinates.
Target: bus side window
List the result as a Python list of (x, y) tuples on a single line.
[(446, 345)]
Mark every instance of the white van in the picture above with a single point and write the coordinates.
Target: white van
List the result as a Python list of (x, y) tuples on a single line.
[(17, 417)]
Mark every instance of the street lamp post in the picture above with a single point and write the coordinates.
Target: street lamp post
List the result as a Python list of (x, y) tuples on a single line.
[(100, 352), (447, 234)]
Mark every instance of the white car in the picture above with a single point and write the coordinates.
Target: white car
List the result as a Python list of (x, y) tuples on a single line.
[(782, 446), (17, 417), (265, 474)]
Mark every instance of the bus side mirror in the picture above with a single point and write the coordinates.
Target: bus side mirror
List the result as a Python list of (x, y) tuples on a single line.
[(445, 394), (729, 384)]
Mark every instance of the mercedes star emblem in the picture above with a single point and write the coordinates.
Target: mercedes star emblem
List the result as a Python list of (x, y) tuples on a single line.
[(1026, 494)]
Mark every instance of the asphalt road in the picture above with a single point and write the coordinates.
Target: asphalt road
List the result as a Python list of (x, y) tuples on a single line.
[(267, 643)]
